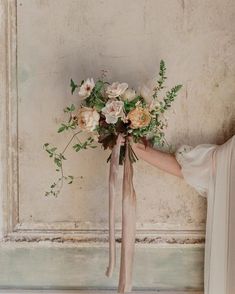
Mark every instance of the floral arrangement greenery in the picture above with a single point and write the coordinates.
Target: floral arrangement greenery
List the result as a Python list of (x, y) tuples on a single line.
[(106, 110)]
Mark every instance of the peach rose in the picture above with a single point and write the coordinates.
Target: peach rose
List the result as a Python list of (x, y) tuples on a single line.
[(139, 117)]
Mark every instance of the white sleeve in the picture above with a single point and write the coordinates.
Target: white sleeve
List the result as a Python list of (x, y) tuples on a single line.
[(196, 165)]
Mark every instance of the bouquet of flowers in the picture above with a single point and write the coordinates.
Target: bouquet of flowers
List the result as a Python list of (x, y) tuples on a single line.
[(110, 114)]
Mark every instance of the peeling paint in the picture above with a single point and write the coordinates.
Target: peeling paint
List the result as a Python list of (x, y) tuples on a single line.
[(143, 240)]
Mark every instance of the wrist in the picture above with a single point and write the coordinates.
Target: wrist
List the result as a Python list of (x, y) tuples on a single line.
[(139, 146)]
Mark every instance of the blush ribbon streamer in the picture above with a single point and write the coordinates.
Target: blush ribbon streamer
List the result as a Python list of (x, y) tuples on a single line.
[(128, 217)]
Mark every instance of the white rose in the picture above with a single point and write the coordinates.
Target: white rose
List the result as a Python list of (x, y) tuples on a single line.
[(113, 110), (88, 119), (116, 89), (86, 88), (146, 91), (129, 95)]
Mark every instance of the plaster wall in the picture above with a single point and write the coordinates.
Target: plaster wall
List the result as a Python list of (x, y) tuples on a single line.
[(60, 39)]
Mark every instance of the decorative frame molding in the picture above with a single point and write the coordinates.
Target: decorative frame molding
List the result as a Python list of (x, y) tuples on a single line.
[(9, 115), (11, 228)]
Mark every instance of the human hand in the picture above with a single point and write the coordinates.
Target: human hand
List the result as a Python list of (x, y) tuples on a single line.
[(135, 146)]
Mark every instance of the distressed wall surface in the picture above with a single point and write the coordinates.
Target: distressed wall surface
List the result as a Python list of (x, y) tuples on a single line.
[(44, 266), (55, 40), (61, 39)]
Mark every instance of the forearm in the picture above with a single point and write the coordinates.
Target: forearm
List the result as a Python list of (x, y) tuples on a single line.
[(164, 161)]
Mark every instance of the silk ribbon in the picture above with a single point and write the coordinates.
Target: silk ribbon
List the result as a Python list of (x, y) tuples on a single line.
[(128, 217)]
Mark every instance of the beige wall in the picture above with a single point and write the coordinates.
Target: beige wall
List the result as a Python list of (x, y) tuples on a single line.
[(59, 39)]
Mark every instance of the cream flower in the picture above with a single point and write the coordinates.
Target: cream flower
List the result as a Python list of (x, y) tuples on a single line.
[(129, 95), (139, 117), (147, 93), (86, 88), (154, 105), (113, 110), (88, 119), (147, 90), (116, 89)]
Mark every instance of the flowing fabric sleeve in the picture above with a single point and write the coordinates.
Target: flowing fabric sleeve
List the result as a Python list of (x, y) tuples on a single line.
[(196, 165)]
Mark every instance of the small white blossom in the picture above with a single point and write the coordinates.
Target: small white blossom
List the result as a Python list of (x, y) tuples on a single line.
[(86, 88), (154, 105)]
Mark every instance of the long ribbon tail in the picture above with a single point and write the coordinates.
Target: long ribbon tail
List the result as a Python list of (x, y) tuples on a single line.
[(128, 226), (113, 174)]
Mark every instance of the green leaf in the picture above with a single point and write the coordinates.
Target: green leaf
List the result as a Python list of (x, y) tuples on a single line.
[(62, 156), (69, 108), (71, 179), (98, 86), (58, 162), (73, 86), (53, 149), (77, 147), (72, 107), (61, 129)]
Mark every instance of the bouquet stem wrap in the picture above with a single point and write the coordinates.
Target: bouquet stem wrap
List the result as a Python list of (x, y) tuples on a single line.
[(128, 218)]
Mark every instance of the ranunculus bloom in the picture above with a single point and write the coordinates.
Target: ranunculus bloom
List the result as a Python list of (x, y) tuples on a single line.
[(116, 89), (88, 119), (129, 95), (113, 110), (86, 88), (139, 117)]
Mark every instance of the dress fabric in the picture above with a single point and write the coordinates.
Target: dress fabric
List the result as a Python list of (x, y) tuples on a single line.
[(210, 169)]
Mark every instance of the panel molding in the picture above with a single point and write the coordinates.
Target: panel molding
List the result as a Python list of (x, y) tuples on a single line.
[(11, 227), (9, 142)]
